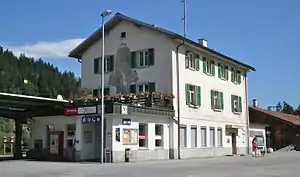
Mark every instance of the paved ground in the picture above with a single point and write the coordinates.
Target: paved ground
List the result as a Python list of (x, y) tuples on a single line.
[(285, 164)]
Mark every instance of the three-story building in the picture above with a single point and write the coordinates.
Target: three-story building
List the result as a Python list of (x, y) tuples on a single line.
[(210, 88)]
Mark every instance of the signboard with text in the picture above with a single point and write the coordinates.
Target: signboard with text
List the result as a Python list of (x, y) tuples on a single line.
[(81, 110)]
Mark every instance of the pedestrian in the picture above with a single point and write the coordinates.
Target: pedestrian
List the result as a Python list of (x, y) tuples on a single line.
[(254, 147)]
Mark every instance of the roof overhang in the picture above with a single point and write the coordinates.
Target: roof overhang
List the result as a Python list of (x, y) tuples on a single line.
[(81, 48), (17, 106)]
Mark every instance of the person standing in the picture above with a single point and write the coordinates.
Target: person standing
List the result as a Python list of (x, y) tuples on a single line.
[(254, 147)]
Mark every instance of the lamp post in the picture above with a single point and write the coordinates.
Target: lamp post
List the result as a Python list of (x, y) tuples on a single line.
[(103, 15)]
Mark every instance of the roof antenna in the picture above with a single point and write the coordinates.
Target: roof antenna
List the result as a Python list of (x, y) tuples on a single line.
[(184, 18)]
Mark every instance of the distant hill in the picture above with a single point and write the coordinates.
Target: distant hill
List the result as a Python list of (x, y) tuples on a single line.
[(43, 78)]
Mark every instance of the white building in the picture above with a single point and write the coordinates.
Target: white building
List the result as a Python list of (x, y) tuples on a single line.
[(210, 92)]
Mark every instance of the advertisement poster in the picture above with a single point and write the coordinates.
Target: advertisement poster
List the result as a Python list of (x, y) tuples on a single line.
[(54, 144), (130, 136)]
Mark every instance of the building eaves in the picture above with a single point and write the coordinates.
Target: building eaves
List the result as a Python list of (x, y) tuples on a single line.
[(78, 51)]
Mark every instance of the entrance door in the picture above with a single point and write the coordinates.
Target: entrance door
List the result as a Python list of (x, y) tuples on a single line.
[(97, 141), (233, 142)]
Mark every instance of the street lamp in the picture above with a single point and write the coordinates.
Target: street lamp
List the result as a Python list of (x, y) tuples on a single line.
[(103, 15)]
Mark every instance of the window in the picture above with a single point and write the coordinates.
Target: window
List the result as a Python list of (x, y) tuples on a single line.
[(96, 92), (216, 100), (193, 95), (223, 71), (203, 137), (142, 58), (118, 136), (212, 137), (143, 135), (149, 87), (220, 137), (38, 144), (108, 64), (71, 128), (236, 76), (194, 136), (123, 35), (158, 135), (192, 61), (208, 66), (183, 136), (236, 104)]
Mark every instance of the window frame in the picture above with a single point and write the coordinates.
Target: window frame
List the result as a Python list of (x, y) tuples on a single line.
[(191, 60), (144, 133), (205, 136), (236, 107), (194, 128), (212, 143), (185, 136), (210, 66), (144, 58), (218, 101), (222, 71), (219, 138), (236, 76), (159, 137)]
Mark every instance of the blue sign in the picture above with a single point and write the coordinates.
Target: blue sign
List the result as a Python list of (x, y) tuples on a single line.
[(126, 121), (91, 119)]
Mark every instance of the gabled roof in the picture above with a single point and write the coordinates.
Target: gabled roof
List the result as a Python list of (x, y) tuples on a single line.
[(282, 116), (79, 50)]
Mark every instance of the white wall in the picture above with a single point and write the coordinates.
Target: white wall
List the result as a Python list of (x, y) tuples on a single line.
[(39, 127), (138, 38), (150, 121)]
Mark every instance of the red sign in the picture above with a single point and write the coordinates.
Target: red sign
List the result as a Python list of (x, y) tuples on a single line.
[(142, 137), (71, 111)]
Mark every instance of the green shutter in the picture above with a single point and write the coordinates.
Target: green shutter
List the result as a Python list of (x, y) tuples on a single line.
[(151, 57), (187, 93), (232, 75), (226, 72), (152, 87), (133, 60), (132, 88), (212, 99), (232, 103), (111, 63), (96, 65), (239, 77), (222, 100), (198, 92), (197, 60), (186, 59), (240, 104), (219, 70), (213, 68), (204, 64)]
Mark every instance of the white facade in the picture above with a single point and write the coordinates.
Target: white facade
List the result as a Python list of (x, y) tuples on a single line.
[(163, 73)]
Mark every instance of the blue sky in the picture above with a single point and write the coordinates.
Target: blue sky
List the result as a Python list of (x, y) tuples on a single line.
[(264, 34)]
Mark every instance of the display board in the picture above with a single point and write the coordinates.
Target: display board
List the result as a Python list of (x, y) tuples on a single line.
[(130, 136)]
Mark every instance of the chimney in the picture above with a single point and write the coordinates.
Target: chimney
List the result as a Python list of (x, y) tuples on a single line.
[(254, 103), (202, 42)]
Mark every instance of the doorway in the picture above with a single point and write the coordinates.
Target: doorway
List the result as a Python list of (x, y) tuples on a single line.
[(233, 144)]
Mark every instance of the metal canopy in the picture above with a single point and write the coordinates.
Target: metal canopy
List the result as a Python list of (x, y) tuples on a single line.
[(15, 106)]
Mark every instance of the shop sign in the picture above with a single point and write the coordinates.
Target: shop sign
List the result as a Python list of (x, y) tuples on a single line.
[(91, 119), (126, 121), (81, 110)]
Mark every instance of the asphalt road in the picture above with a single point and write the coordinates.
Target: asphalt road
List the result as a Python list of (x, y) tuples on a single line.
[(285, 164)]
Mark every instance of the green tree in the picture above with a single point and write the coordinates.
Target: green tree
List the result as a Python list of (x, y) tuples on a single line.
[(287, 108)]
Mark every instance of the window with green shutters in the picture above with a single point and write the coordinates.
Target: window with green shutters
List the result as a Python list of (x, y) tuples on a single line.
[(236, 104), (192, 61), (193, 95), (136, 88), (143, 58), (108, 64), (222, 71), (208, 66), (236, 76), (217, 100)]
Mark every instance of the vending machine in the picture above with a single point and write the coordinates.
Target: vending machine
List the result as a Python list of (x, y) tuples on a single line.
[(56, 148)]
